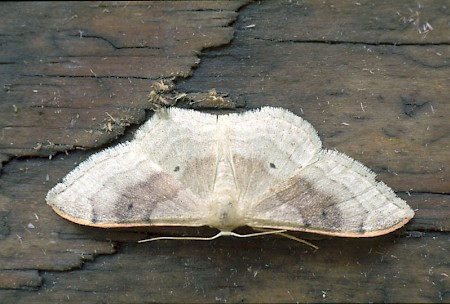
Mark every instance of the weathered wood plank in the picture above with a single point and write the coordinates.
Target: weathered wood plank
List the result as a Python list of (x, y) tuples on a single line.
[(69, 64), (263, 270), (27, 279), (363, 22)]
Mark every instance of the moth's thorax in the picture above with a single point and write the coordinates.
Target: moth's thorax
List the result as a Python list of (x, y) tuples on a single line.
[(223, 202)]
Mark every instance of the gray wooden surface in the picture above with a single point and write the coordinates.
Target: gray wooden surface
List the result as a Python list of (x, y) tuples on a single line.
[(373, 78)]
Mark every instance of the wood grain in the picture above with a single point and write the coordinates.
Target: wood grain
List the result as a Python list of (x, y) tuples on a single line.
[(75, 75)]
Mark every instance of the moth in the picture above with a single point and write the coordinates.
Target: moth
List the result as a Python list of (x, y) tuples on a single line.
[(264, 168)]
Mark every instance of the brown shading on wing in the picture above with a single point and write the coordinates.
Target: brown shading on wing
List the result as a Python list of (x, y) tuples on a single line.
[(335, 196)]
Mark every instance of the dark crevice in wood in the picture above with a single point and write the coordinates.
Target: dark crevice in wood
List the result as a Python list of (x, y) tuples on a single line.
[(333, 42)]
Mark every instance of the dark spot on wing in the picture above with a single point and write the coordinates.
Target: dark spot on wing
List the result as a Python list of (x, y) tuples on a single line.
[(306, 223), (94, 217), (361, 228), (176, 169), (130, 206), (272, 165)]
